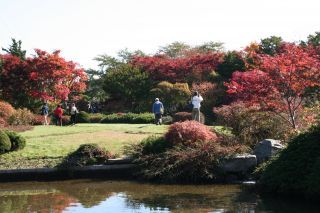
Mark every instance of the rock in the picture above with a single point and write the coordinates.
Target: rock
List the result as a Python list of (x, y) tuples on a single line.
[(267, 148), (239, 164)]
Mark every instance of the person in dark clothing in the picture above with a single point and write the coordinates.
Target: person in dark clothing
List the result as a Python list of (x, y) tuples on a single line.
[(45, 112), (158, 110)]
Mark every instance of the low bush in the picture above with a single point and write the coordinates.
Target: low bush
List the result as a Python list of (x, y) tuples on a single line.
[(21, 117), (150, 145), (83, 117), (295, 171), (199, 163), (188, 132), (251, 125), (6, 110), (96, 117), (142, 118), (86, 154), (167, 119), (17, 141), (39, 120), (5, 144), (185, 116)]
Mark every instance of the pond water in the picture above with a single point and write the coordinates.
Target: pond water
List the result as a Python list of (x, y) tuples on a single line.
[(126, 196)]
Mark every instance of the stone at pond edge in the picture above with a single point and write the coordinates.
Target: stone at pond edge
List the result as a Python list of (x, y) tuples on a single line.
[(265, 149), (239, 164)]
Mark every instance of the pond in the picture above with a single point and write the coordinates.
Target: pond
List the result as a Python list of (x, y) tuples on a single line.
[(125, 196)]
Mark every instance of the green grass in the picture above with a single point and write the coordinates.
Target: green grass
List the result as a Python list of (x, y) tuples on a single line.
[(48, 145)]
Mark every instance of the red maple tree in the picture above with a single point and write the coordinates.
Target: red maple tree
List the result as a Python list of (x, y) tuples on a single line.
[(278, 82), (191, 68), (44, 76)]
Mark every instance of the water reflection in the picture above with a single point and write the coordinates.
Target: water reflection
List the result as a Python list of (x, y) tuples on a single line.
[(124, 196)]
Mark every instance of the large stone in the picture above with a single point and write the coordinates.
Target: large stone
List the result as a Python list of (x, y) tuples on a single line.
[(239, 164), (267, 148)]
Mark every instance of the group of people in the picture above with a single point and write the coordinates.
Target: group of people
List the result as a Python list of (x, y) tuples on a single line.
[(58, 114), (158, 108)]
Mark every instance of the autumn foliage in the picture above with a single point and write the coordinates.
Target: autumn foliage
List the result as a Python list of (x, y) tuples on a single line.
[(44, 76), (189, 132), (190, 68), (278, 82)]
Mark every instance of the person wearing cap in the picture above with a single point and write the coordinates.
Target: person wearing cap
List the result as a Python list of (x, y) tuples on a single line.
[(158, 110)]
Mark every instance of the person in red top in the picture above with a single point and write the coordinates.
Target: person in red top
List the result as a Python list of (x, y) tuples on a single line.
[(58, 112)]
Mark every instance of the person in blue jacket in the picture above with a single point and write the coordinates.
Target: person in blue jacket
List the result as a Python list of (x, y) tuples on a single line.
[(45, 112), (158, 110)]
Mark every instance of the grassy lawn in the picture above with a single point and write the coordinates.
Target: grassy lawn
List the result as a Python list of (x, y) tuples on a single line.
[(48, 145)]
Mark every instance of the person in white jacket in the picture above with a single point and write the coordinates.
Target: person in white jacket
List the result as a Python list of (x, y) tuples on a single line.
[(196, 100)]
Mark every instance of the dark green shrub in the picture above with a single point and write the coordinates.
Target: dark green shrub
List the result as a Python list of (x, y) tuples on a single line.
[(5, 144), (142, 118), (150, 145), (86, 154), (17, 141), (83, 117), (295, 171)]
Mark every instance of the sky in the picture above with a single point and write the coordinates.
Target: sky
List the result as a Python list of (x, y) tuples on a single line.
[(83, 29)]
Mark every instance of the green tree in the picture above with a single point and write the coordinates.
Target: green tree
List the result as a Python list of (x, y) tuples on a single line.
[(210, 47), (128, 83), (270, 45), (95, 90), (16, 49), (175, 49), (314, 40), (174, 96), (232, 61)]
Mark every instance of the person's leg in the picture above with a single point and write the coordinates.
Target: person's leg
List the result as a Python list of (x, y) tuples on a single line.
[(45, 120), (194, 113), (198, 115), (60, 120), (72, 120)]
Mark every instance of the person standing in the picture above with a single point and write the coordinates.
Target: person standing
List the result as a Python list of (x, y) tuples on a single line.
[(158, 110), (58, 112), (74, 111), (196, 100), (45, 112)]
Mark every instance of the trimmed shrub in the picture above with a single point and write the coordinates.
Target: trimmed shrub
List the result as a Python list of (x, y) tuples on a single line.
[(5, 144), (188, 132), (142, 118), (83, 117), (17, 141), (295, 171), (39, 120), (21, 117), (186, 116), (96, 117), (86, 154), (6, 110)]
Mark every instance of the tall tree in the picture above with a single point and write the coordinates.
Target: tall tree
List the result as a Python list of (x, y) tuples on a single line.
[(279, 83), (16, 49), (174, 50), (270, 45)]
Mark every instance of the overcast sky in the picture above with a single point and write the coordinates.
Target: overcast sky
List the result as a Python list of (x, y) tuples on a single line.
[(83, 29)]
